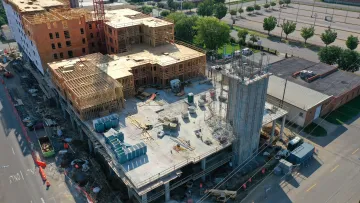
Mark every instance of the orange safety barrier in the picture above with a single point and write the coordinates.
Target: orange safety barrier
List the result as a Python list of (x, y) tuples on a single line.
[(42, 174), (40, 163)]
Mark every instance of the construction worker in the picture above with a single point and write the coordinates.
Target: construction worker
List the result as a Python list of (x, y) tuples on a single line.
[(47, 184)]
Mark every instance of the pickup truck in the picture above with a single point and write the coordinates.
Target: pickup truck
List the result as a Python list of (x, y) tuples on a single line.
[(46, 147)]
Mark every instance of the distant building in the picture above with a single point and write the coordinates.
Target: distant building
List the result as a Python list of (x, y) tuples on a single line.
[(347, 2), (308, 90), (6, 33)]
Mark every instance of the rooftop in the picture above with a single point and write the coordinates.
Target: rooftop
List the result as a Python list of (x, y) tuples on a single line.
[(34, 5), (294, 93), (159, 162), (331, 84), (127, 17)]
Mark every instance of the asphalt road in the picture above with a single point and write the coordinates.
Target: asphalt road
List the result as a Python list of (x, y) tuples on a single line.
[(332, 177), (20, 181)]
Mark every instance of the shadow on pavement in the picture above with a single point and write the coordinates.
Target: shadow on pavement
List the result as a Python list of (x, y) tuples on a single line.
[(324, 141)]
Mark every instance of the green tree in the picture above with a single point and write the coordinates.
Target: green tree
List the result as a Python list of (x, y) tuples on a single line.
[(287, 2), (272, 4), (352, 42), (172, 5), (233, 12), (205, 8), (253, 38), (242, 33), (329, 36), (211, 33), (241, 10), (219, 1), (220, 10), (161, 5), (176, 16), (349, 60), (257, 7), (146, 9), (249, 9), (266, 6), (188, 5), (164, 13), (281, 3), (184, 28), (269, 24), (288, 27), (330, 55), (307, 32)]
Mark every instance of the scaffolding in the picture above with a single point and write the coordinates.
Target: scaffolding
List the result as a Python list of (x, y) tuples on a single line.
[(40, 18), (89, 90), (71, 13)]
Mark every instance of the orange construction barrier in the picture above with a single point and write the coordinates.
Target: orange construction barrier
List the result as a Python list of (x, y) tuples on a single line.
[(42, 174), (47, 184), (40, 163)]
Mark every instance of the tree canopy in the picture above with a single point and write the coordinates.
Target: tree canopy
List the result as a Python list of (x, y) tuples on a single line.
[(257, 7), (171, 4), (146, 9), (269, 24), (242, 33), (164, 13), (307, 32), (220, 10), (329, 36), (349, 60), (266, 6), (288, 27), (241, 10), (211, 33), (330, 55), (272, 3), (233, 12), (249, 9), (176, 16), (352, 42), (188, 5), (287, 2), (184, 28), (206, 8)]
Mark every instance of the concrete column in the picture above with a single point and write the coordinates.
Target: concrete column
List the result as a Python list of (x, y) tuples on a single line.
[(282, 127), (130, 193), (273, 130), (167, 191), (203, 167), (90, 146), (144, 198)]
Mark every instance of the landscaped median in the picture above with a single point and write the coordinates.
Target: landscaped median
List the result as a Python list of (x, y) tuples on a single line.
[(315, 130), (345, 113)]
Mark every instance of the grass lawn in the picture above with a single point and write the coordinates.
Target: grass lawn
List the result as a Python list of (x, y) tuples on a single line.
[(238, 2), (229, 49), (251, 32), (345, 112), (315, 130)]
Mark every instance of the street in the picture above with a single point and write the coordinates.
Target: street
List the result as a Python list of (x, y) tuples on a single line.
[(332, 176), (20, 181)]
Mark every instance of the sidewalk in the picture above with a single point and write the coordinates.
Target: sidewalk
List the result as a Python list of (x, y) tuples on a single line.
[(285, 48)]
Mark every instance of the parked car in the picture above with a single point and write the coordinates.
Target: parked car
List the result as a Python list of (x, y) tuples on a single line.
[(35, 126), (246, 52)]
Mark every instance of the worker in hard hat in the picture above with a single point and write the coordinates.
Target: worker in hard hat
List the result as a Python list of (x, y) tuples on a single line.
[(47, 185)]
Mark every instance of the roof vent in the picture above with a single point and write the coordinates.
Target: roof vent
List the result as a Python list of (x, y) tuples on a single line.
[(30, 2), (22, 2), (166, 54)]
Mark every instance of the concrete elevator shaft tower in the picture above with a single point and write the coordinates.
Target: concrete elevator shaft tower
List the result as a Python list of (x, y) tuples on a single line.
[(245, 109)]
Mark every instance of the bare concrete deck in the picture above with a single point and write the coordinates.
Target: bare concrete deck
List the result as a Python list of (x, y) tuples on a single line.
[(162, 162)]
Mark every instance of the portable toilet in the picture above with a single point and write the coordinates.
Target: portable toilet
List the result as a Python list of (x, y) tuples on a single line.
[(114, 122), (108, 124), (191, 98), (120, 136), (99, 127)]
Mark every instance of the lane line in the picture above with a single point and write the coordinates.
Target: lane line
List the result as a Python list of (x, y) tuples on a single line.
[(13, 150), (311, 187), (355, 150), (22, 175), (334, 168), (42, 200)]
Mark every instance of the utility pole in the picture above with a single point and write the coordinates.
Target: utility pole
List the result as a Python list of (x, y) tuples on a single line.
[(313, 9), (279, 18), (315, 15), (282, 29), (297, 14), (283, 97)]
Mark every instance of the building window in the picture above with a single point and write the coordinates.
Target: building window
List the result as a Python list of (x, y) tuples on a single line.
[(61, 55), (154, 68), (59, 44), (91, 35), (53, 46), (51, 35), (82, 30), (110, 39), (90, 26), (70, 53), (301, 114), (68, 43), (66, 34), (83, 40), (112, 49), (92, 44), (109, 30), (57, 34), (55, 56), (83, 50)]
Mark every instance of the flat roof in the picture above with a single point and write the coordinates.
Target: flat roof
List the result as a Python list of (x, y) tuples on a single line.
[(147, 172), (163, 55), (34, 5), (127, 17), (334, 84), (294, 93)]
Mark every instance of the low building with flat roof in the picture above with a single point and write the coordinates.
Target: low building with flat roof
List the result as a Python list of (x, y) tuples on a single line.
[(310, 89)]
